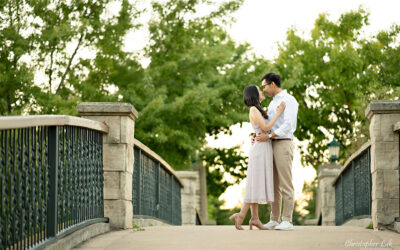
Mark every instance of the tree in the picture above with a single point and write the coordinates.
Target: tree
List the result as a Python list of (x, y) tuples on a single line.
[(16, 77), (55, 54), (310, 189), (191, 88), (194, 82), (224, 167), (334, 75)]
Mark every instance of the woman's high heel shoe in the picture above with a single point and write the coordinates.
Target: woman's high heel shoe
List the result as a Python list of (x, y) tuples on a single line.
[(236, 217), (258, 224)]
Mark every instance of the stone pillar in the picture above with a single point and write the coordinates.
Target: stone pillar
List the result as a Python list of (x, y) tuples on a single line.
[(384, 162), (326, 193), (203, 204), (117, 157), (189, 199), (202, 192)]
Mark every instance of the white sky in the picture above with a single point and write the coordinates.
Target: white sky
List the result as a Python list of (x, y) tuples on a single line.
[(264, 24)]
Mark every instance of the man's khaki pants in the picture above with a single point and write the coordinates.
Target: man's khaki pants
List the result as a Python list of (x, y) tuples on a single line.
[(283, 185)]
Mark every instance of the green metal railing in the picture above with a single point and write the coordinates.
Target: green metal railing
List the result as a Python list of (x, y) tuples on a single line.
[(156, 193), (51, 183), (353, 189)]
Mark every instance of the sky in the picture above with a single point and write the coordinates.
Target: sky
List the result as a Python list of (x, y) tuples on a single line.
[(263, 24)]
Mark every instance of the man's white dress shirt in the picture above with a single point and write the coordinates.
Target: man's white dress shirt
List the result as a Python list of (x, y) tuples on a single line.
[(286, 124)]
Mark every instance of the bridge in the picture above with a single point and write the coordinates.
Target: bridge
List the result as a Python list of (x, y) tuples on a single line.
[(67, 180), (226, 237)]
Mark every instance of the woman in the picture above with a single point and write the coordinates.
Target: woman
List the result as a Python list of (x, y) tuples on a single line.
[(260, 183)]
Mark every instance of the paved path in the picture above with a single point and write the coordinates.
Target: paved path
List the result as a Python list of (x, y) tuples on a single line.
[(226, 237)]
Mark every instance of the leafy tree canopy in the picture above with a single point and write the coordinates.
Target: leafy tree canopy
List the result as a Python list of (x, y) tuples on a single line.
[(55, 54), (194, 82), (224, 167), (334, 75)]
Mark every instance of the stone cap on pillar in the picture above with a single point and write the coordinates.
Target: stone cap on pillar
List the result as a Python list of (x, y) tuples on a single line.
[(382, 107), (107, 109), (328, 170)]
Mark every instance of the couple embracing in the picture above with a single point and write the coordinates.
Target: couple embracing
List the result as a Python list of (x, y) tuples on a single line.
[(269, 173)]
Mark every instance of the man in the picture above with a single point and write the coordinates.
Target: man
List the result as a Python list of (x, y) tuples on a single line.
[(283, 148)]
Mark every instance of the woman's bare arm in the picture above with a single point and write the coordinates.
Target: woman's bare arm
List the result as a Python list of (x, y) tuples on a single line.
[(257, 118)]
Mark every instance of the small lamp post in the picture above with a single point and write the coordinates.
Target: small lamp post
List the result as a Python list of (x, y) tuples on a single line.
[(334, 149)]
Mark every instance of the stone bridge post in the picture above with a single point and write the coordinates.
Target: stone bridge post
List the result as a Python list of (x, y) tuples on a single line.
[(117, 157), (325, 206), (384, 162)]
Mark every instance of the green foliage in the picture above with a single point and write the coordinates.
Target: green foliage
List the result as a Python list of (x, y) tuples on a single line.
[(55, 54), (73, 50), (311, 190), (217, 214), (297, 218), (15, 77), (334, 75), (137, 227), (193, 84), (224, 167)]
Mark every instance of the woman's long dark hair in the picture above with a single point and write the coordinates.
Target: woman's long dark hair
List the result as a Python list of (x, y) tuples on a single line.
[(250, 97)]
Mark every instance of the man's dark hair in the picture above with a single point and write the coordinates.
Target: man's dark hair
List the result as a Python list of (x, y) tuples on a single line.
[(272, 77)]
